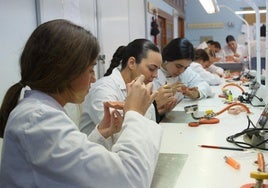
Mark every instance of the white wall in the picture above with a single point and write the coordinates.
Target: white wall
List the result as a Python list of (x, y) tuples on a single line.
[(81, 12), (118, 25), (18, 20), (115, 23), (195, 13)]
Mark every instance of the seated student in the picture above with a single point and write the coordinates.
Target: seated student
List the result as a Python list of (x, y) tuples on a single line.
[(140, 56), (177, 56), (216, 53), (42, 146), (209, 42), (234, 52), (216, 70), (200, 65)]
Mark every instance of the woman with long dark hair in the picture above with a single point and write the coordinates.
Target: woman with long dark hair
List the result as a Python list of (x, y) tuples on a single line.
[(43, 147), (140, 56), (177, 56)]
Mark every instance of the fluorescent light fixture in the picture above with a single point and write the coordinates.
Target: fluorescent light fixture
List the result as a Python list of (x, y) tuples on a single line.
[(249, 12), (210, 6)]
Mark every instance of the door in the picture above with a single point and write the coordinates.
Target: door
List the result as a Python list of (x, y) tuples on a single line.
[(166, 28)]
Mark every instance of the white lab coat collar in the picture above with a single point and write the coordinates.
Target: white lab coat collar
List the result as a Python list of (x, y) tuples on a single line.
[(117, 77), (165, 72), (41, 96)]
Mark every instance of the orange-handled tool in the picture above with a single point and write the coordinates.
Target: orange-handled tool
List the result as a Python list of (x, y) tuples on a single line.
[(204, 121), (261, 163), (233, 84), (233, 163), (259, 175)]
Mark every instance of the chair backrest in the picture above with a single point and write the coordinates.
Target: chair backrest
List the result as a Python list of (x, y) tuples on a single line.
[(253, 63)]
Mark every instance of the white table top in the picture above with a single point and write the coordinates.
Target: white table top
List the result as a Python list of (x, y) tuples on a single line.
[(205, 167)]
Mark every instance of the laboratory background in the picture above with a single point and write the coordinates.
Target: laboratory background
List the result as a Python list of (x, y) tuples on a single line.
[(117, 22)]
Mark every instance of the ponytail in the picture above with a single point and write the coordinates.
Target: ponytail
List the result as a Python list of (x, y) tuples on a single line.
[(138, 49), (10, 101), (116, 60)]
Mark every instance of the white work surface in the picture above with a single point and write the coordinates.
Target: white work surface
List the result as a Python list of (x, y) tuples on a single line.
[(206, 167)]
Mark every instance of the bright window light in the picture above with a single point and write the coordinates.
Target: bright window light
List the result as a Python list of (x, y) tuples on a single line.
[(249, 12), (210, 6)]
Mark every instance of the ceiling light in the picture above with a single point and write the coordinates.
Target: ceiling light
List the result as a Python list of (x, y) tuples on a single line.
[(210, 6), (249, 12)]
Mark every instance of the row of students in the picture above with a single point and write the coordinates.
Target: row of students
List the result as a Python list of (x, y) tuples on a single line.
[(43, 147), (206, 69), (231, 52), (141, 56)]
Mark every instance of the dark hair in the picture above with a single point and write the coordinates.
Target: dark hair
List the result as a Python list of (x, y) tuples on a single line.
[(201, 54), (216, 44), (56, 53), (263, 31), (230, 38), (210, 41), (179, 48), (138, 49)]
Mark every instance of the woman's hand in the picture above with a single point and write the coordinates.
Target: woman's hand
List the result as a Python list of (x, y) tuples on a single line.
[(165, 95), (168, 106), (140, 96), (192, 93), (111, 122), (178, 87)]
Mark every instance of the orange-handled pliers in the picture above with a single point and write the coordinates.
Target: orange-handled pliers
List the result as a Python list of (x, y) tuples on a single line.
[(204, 121)]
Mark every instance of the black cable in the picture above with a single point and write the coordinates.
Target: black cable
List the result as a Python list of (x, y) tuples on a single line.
[(196, 118), (259, 105), (246, 145), (253, 132), (248, 99), (260, 99)]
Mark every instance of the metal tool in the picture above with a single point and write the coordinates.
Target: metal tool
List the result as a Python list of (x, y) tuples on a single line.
[(258, 175)]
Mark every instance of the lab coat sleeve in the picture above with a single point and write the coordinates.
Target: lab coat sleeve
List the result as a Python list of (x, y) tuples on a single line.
[(160, 80), (147, 137), (92, 108), (191, 79), (215, 69), (210, 78), (62, 156), (96, 137)]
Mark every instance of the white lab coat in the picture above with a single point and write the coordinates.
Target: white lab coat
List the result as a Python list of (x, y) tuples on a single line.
[(241, 50), (216, 69), (108, 88), (221, 55), (42, 147), (210, 78), (189, 78)]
